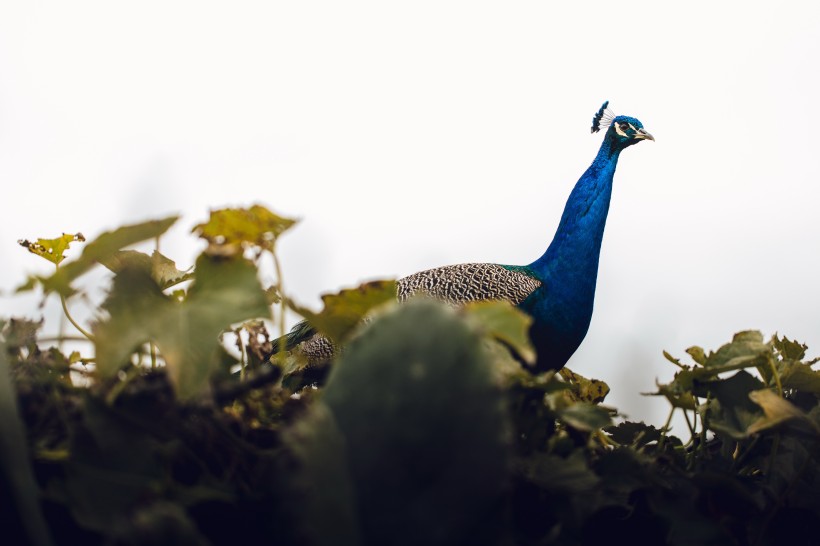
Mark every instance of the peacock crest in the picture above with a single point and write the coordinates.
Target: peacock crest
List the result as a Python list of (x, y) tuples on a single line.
[(603, 118)]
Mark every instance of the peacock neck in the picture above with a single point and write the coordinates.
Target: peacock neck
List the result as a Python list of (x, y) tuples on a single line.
[(571, 261)]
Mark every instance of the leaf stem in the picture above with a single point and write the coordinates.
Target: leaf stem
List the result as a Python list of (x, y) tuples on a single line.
[(280, 288), (74, 322), (776, 377), (242, 355), (665, 429)]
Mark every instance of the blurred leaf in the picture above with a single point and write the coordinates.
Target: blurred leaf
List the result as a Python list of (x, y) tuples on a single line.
[(731, 410), (224, 292), (679, 391), (587, 390), (584, 416), (746, 349), (777, 410), (697, 354), (21, 333), (425, 426), (137, 309), (101, 249), (114, 464), (163, 270), (507, 324), (673, 360), (52, 249), (19, 492), (273, 295), (229, 231), (554, 473), (187, 333), (345, 310), (789, 349), (800, 377), (632, 433), (322, 479)]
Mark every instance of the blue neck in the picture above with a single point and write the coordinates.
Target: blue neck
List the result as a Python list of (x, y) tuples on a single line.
[(571, 261)]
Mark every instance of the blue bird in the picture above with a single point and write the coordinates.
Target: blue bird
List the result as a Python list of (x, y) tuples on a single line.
[(558, 289)]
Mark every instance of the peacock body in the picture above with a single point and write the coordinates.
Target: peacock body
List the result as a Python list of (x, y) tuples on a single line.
[(558, 289)]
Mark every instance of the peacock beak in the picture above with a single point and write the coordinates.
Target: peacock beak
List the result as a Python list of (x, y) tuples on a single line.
[(643, 135)]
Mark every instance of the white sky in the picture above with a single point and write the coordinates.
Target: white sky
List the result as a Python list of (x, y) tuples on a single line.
[(417, 134)]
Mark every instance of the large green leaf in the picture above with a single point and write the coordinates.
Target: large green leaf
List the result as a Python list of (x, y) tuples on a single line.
[(102, 249), (424, 427), (224, 292)]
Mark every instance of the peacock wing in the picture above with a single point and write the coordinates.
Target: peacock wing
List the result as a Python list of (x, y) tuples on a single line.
[(462, 283)]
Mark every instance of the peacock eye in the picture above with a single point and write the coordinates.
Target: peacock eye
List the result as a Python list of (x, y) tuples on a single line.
[(624, 127)]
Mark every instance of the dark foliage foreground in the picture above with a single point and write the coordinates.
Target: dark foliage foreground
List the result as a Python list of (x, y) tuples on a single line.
[(427, 429)]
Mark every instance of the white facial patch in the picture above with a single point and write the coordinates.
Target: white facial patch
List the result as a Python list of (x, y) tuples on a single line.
[(619, 131)]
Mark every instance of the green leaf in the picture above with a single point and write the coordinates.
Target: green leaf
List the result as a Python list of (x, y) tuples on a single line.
[(103, 248), (344, 311), (730, 409), (678, 391), (114, 464), (789, 349), (584, 389), (187, 333), (632, 433), (163, 270), (584, 416), (800, 377), (224, 292), (697, 354), (673, 360), (327, 514), (746, 350), (137, 311), (425, 428), (52, 249), (505, 323), (229, 231), (554, 473)]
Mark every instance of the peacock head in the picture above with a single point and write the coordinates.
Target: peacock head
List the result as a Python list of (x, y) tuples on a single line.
[(623, 130)]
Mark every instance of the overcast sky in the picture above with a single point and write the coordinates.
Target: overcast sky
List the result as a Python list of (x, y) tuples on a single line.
[(408, 135)]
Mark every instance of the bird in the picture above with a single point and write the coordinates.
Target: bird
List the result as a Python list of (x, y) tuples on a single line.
[(557, 290)]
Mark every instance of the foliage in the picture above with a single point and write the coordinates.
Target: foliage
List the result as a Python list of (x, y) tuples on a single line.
[(427, 428)]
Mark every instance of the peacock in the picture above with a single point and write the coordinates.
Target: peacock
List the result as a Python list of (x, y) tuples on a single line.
[(557, 290)]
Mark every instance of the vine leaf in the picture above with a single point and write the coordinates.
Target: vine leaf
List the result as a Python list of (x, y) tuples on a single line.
[(101, 249), (505, 323), (52, 249), (162, 269), (231, 231), (187, 332), (776, 411), (584, 389), (345, 310), (584, 416)]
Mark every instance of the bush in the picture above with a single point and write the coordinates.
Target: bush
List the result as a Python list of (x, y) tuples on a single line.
[(428, 428)]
